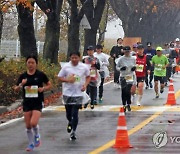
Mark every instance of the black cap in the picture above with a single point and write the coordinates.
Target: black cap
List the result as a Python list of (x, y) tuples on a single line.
[(126, 48), (140, 46), (98, 46), (149, 44), (90, 47)]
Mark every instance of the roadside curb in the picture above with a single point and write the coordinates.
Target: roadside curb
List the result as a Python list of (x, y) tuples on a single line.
[(18, 103)]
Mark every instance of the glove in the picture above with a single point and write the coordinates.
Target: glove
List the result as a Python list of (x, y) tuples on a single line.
[(123, 68), (133, 68)]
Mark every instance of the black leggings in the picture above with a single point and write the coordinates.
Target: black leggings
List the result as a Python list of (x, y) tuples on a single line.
[(126, 94), (92, 92), (116, 74), (72, 115)]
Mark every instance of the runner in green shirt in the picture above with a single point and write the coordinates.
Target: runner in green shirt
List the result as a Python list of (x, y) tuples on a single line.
[(160, 62)]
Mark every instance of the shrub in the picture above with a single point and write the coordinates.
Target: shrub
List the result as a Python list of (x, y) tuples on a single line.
[(10, 71)]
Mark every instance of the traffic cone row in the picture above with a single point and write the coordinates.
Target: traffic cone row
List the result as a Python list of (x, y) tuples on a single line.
[(171, 95), (122, 139)]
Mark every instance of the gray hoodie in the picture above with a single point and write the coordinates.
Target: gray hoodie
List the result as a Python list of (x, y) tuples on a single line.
[(129, 62)]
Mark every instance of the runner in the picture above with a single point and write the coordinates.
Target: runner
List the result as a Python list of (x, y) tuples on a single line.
[(126, 66), (31, 82), (167, 53), (115, 53), (134, 52), (142, 66), (150, 52), (104, 63), (75, 77), (160, 62), (94, 66)]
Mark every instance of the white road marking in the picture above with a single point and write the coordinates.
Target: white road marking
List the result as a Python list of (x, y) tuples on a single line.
[(11, 121)]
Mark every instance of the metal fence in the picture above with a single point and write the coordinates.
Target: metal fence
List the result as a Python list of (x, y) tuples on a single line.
[(11, 48)]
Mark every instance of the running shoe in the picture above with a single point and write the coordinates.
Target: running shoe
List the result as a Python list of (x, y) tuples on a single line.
[(85, 105), (100, 100), (157, 95), (73, 136), (150, 84), (30, 147), (92, 106), (95, 102), (124, 108), (37, 140), (162, 90), (147, 87), (69, 128), (138, 103), (129, 107)]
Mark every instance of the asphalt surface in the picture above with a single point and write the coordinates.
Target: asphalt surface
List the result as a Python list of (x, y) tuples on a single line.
[(97, 128)]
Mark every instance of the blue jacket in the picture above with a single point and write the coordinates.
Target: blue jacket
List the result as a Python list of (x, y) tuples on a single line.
[(150, 53)]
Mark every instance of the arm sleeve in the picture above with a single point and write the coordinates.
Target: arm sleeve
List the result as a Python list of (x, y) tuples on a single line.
[(62, 73), (167, 62), (45, 78), (112, 52), (19, 79), (134, 79), (148, 64), (87, 72), (97, 65), (118, 66), (105, 62)]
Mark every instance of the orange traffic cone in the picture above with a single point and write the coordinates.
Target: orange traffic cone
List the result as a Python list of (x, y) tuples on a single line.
[(122, 139), (171, 96)]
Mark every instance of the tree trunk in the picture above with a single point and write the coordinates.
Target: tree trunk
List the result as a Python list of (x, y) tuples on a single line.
[(73, 30), (103, 24), (26, 31), (1, 24), (94, 16), (51, 46)]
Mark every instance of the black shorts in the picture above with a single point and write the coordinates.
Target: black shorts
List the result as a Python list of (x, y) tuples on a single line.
[(159, 78), (31, 105), (140, 79)]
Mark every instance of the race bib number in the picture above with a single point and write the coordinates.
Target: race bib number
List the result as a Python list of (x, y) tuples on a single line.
[(77, 79), (129, 78), (139, 68), (159, 67), (93, 73), (31, 91)]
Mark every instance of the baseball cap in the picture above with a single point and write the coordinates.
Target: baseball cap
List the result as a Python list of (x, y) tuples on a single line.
[(135, 45), (177, 40), (140, 46), (98, 46), (159, 49), (126, 48), (149, 44), (90, 47)]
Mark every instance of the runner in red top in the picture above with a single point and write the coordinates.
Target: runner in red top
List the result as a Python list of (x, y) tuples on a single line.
[(142, 64)]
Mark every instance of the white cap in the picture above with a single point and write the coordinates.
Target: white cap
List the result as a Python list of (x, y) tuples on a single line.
[(177, 40)]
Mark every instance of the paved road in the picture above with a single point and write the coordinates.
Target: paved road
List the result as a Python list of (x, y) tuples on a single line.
[(97, 128)]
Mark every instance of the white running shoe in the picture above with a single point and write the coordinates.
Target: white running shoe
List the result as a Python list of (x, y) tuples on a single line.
[(138, 103)]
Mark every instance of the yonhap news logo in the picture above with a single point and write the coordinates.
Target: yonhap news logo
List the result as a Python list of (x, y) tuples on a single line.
[(160, 139)]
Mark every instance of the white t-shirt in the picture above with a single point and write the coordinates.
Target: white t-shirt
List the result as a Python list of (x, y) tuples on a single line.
[(80, 71)]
